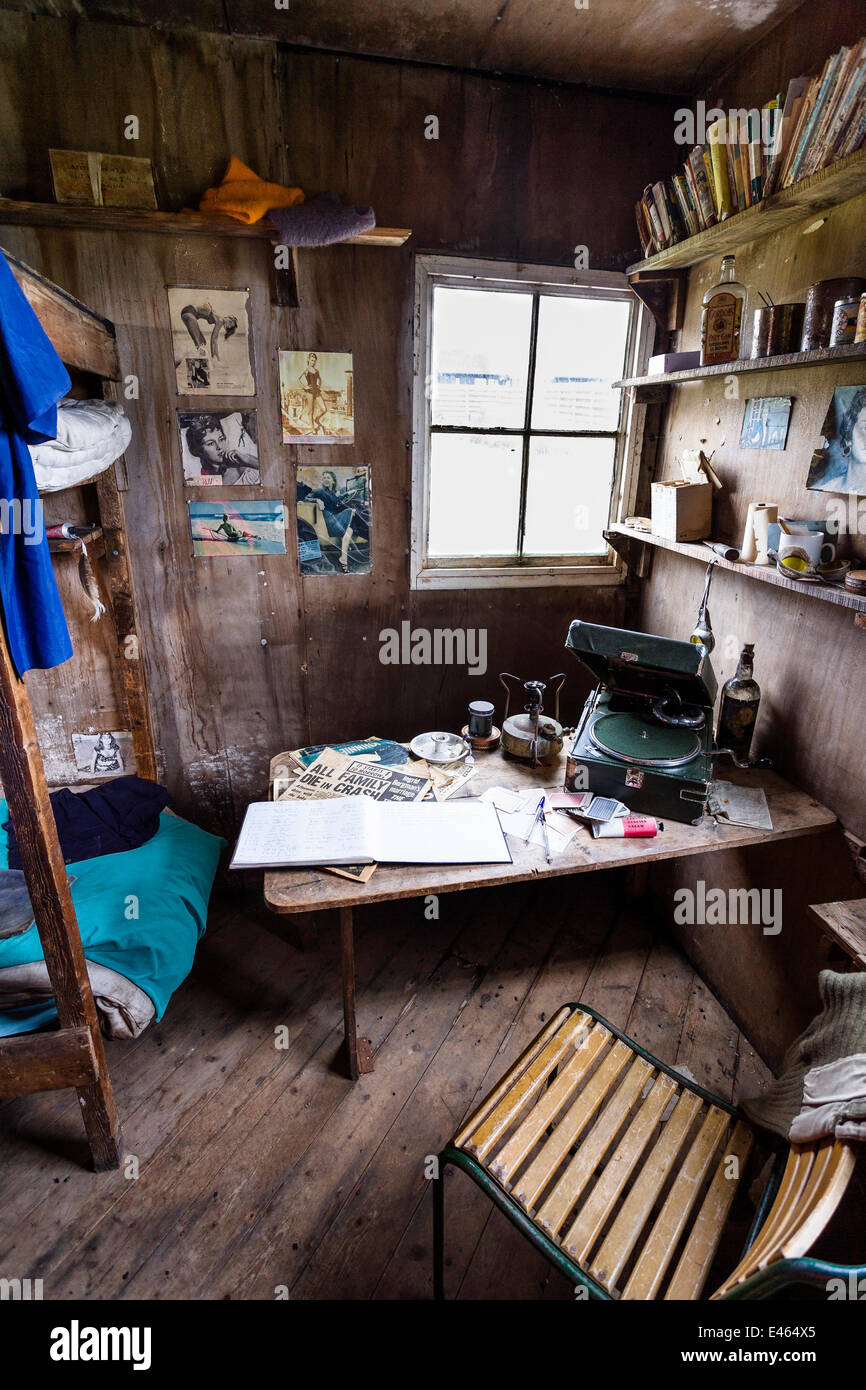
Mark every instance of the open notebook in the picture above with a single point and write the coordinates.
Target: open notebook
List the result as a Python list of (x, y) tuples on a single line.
[(359, 830)]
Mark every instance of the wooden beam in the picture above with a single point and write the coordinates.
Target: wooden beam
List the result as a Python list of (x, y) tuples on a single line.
[(81, 338), (23, 778), (46, 1062), (121, 593)]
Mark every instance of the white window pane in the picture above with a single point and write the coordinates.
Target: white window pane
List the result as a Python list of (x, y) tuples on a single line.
[(568, 496), (474, 495), (581, 350), (480, 358)]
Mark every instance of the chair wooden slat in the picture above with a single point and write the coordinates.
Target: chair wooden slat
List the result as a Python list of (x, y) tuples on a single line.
[(571, 1184), (690, 1275), (626, 1230), (520, 1086), (549, 1105), (585, 1229), (794, 1225), (651, 1265), (544, 1165)]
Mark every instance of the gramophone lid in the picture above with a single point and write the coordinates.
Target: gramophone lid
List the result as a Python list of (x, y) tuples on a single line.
[(639, 663)]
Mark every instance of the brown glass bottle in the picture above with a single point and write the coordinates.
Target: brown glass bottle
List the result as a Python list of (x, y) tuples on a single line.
[(738, 710)]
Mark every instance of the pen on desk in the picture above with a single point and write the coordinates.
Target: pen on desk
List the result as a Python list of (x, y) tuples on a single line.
[(539, 810), (546, 835)]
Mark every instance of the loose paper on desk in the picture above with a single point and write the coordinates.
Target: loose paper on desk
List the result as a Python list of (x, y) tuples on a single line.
[(517, 812), (739, 805), (283, 834)]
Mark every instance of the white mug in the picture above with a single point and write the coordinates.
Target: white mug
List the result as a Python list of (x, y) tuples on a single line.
[(815, 544)]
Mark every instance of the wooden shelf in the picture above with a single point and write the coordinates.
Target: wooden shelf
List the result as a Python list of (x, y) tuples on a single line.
[(741, 366), (624, 538), (82, 338), (167, 223), (846, 924), (805, 199)]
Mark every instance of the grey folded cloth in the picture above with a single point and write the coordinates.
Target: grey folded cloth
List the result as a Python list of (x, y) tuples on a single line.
[(16, 912), (834, 1101), (837, 1032), (321, 221)]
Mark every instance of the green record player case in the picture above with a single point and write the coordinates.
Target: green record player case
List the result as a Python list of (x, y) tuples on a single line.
[(646, 733)]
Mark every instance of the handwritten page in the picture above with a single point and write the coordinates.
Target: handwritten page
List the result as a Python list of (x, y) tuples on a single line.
[(318, 833)]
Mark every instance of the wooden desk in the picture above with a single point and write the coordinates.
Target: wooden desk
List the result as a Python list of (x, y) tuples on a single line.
[(313, 890), (845, 923)]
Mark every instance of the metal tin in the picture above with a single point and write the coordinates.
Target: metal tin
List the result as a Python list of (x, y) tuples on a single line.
[(844, 324), (820, 302), (860, 331), (785, 328), (760, 331)]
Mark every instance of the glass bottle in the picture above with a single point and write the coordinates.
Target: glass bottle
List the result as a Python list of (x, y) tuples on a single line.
[(722, 317), (738, 709)]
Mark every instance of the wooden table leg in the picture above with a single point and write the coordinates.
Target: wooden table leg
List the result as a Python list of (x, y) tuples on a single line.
[(359, 1055)]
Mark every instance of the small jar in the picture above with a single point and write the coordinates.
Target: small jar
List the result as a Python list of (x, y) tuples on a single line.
[(845, 312), (480, 719)]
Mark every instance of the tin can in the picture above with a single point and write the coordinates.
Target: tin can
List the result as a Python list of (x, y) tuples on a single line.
[(860, 331), (760, 332), (785, 328), (844, 324), (820, 302)]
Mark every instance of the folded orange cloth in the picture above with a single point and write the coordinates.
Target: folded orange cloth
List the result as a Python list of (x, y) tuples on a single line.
[(246, 197)]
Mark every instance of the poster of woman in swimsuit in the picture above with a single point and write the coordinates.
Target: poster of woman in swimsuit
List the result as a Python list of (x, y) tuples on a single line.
[(225, 529), (317, 397), (210, 337)]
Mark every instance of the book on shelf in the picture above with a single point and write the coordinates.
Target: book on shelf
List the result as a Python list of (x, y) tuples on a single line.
[(749, 155)]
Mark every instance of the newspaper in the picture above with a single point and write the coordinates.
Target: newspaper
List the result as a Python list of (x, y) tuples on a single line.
[(334, 774)]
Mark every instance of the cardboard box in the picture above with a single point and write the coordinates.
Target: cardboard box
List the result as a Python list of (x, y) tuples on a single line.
[(682, 511), (672, 362)]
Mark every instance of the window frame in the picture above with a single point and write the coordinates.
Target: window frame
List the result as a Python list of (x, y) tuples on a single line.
[(457, 272)]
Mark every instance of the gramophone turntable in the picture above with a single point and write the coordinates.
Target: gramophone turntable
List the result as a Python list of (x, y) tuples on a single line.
[(645, 735)]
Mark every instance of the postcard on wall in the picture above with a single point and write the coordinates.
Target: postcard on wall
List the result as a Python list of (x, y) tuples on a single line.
[(104, 754), (228, 528), (840, 464), (317, 397), (334, 519), (89, 178), (765, 422), (210, 336), (219, 448)]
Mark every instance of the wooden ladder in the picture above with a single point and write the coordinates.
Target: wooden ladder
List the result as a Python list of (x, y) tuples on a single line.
[(74, 1055)]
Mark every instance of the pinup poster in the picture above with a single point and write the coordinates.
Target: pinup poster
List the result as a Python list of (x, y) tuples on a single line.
[(104, 754), (224, 529), (210, 337), (219, 448), (334, 520), (317, 397), (840, 464)]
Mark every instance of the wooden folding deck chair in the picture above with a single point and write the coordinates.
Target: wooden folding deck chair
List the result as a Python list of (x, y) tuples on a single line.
[(622, 1172)]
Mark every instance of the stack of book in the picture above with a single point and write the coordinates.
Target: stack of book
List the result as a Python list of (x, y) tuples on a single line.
[(751, 154)]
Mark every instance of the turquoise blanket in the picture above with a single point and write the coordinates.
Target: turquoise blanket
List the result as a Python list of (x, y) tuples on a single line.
[(141, 913)]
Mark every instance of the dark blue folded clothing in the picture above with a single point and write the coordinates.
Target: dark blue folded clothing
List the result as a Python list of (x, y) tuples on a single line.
[(116, 816)]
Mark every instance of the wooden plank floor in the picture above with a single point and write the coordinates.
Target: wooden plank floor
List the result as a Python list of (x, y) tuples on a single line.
[(250, 1167)]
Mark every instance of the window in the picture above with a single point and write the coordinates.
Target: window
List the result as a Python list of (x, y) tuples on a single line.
[(520, 441)]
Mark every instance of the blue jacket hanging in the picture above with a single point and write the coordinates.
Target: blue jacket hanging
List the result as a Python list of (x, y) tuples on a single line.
[(32, 380)]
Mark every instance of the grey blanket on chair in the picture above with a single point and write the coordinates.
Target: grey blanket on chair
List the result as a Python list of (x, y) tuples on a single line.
[(837, 1032)]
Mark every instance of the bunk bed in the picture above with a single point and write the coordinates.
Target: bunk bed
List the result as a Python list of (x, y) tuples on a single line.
[(72, 1055)]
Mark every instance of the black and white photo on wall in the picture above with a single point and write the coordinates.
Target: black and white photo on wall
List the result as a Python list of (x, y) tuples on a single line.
[(210, 336), (219, 448)]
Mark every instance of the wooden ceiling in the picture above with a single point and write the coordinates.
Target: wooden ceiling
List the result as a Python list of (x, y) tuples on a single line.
[(644, 45)]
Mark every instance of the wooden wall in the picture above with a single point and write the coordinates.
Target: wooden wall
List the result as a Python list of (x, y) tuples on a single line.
[(809, 658), (243, 658)]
